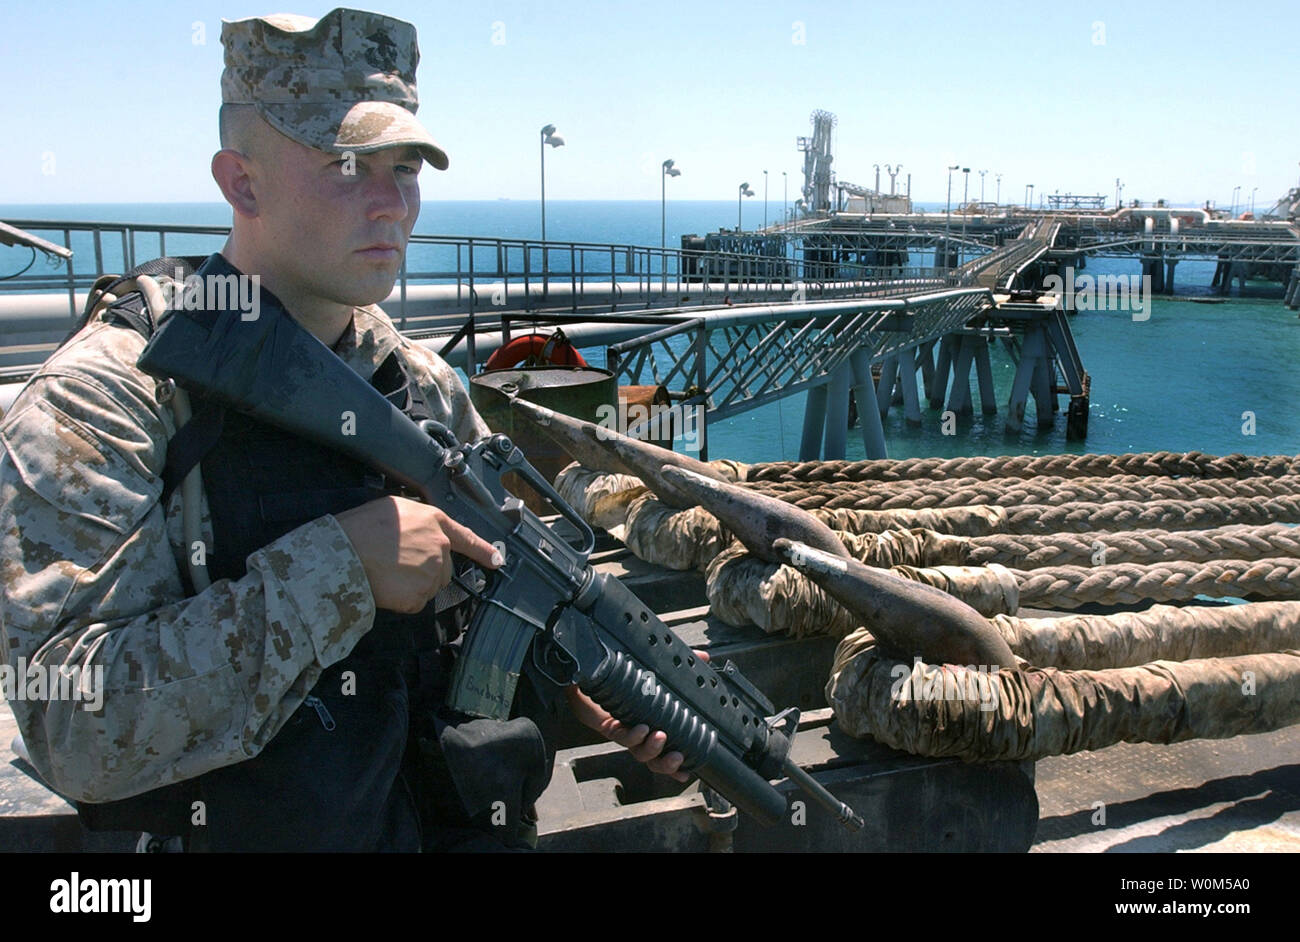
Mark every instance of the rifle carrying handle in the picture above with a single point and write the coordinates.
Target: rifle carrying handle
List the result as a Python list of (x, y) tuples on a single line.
[(516, 462)]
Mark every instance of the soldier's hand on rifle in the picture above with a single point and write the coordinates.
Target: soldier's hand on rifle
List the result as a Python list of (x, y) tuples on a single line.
[(405, 547), (646, 745)]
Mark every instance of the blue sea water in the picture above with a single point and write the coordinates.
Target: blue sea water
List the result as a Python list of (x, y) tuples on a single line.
[(1216, 378)]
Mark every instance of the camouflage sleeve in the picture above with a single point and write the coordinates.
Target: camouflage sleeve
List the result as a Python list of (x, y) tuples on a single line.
[(442, 387), (91, 588)]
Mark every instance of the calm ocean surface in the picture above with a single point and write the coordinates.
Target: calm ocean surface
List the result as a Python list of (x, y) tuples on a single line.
[(1194, 377)]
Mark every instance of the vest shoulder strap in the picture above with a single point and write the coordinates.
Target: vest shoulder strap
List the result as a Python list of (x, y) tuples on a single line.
[(130, 309)]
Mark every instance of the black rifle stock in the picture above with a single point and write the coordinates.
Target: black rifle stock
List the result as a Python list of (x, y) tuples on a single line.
[(546, 602)]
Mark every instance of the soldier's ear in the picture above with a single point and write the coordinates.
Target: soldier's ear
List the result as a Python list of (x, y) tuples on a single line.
[(231, 170)]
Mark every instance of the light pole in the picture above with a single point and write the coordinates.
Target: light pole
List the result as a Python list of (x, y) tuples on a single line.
[(998, 199), (965, 213), (1252, 202), (947, 216), (764, 199), (743, 191), (1026, 197), (1117, 186), (668, 171), (1031, 196), (548, 137), (785, 197), (982, 172), (1233, 212)]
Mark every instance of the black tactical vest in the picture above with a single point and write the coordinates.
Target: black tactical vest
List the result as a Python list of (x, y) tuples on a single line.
[(261, 483)]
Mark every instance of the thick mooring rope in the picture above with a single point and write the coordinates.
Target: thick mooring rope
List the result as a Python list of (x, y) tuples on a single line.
[(616, 492), (980, 520), (1033, 713), (1004, 492), (1027, 551), (691, 539), (1162, 632), (921, 547), (674, 539), (960, 521), (1192, 464), (1157, 514), (916, 547), (744, 590), (589, 493), (1067, 587)]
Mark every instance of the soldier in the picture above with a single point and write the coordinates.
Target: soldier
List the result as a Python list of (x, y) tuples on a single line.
[(274, 644)]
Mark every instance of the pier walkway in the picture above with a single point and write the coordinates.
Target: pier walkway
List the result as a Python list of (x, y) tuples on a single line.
[(1158, 236)]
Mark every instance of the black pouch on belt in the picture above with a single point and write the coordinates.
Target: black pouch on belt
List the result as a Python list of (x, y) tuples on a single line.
[(480, 778)]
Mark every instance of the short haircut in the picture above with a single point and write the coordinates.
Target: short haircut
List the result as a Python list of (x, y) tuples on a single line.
[(239, 127)]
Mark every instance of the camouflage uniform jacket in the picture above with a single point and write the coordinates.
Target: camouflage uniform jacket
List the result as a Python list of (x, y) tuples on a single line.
[(91, 576)]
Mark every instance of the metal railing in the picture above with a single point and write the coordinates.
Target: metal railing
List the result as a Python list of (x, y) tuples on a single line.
[(488, 272)]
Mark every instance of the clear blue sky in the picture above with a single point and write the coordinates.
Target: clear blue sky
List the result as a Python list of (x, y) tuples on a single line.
[(1182, 100)]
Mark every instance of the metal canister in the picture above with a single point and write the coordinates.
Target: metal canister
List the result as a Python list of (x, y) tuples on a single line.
[(651, 405), (574, 390)]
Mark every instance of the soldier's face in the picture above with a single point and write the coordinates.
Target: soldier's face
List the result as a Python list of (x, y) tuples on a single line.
[(339, 225)]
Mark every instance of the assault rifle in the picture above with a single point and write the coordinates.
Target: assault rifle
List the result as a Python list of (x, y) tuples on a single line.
[(546, 602)]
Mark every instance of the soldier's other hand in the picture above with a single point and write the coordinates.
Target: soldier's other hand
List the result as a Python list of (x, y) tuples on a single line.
[(405, 547), (645, 744)]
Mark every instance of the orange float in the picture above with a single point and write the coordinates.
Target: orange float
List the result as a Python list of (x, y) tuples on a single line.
[(536, 350)]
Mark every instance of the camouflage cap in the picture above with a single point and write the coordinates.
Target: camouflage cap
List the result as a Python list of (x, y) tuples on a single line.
[(345, 82)]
